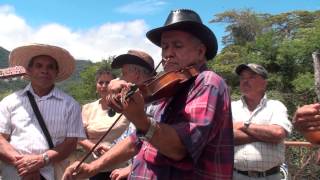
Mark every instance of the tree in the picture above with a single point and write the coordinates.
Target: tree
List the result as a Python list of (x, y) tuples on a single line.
[(283, 43), (85, 90), (243, 26)]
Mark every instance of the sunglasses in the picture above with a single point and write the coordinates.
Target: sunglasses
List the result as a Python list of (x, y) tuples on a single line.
[(103, 82)]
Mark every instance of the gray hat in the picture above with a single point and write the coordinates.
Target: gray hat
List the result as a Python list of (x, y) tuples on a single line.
[(260, 70)]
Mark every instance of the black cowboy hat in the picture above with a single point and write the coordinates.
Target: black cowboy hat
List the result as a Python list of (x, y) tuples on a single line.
[(136, 57), (188, 21)]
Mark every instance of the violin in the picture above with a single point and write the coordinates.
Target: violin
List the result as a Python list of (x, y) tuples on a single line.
[(167, 84), (161, 86)]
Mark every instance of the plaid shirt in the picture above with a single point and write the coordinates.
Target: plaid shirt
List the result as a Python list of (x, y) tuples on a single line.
[(202, 119)]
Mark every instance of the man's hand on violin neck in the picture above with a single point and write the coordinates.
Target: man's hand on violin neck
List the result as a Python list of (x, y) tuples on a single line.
[(116, 85), (132, 106), (115, 98)]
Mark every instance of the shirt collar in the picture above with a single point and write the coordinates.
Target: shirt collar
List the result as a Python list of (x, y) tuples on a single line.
[(262, 103), (53, 93)]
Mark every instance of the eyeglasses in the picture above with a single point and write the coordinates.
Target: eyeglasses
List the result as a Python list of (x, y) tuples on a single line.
[(103, 82)]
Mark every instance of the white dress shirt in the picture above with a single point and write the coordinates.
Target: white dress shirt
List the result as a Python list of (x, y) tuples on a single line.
[(260, 156)]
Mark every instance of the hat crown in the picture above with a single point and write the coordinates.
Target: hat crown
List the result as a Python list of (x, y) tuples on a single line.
[(135, 57), (143, 56), (188, 21), (256, 68), (182, 15)]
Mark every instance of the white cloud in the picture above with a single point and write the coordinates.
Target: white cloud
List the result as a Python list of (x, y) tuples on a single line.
[(94, 44), (141, 7)]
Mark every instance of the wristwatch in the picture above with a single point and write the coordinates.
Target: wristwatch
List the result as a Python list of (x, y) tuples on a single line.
[(150, 132), (45, 158), (246, 124)]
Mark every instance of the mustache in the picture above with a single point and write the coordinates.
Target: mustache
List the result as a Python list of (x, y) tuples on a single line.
[(166, 61)]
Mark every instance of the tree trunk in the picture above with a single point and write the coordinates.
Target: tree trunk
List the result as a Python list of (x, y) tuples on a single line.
[(316, 65)]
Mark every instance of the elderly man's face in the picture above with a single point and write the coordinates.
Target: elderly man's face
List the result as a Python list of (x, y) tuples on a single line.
[(43, 71), (252, 84), (181, 49)]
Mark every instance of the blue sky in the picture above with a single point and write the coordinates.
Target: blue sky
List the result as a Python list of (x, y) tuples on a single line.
[(96, 29)]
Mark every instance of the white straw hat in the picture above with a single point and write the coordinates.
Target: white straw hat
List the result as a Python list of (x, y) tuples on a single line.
[(22, 55)]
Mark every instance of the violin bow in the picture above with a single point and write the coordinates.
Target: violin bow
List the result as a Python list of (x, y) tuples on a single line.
[(132, 90), (155, 69)]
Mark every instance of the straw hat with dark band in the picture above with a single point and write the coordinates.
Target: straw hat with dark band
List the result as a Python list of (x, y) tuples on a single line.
[(22, 55), (188, 21)]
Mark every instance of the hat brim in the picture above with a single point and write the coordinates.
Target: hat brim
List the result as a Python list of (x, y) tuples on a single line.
[(240, 68), (120, 60), (21, 56), (201, 31)]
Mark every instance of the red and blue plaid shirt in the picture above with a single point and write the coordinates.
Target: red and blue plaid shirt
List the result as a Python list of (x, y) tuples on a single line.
[(202, 118)]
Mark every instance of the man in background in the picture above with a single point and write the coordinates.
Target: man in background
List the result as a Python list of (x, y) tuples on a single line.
[(260, 126)]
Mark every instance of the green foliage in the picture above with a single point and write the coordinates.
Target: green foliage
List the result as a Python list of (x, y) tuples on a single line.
[(282, 43), (243, 26), (304, 82), (84, 90), (5, 93)]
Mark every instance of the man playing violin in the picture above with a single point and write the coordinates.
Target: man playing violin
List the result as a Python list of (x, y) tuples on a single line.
[(189, 135)]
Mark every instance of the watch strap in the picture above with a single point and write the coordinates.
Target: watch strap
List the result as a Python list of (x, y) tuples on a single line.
[(46, 159), (246, 124)]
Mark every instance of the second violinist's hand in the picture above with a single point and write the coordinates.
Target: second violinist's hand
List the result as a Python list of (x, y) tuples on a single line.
[(132, 108), (115, 89), (100, 150), (84, 171)]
